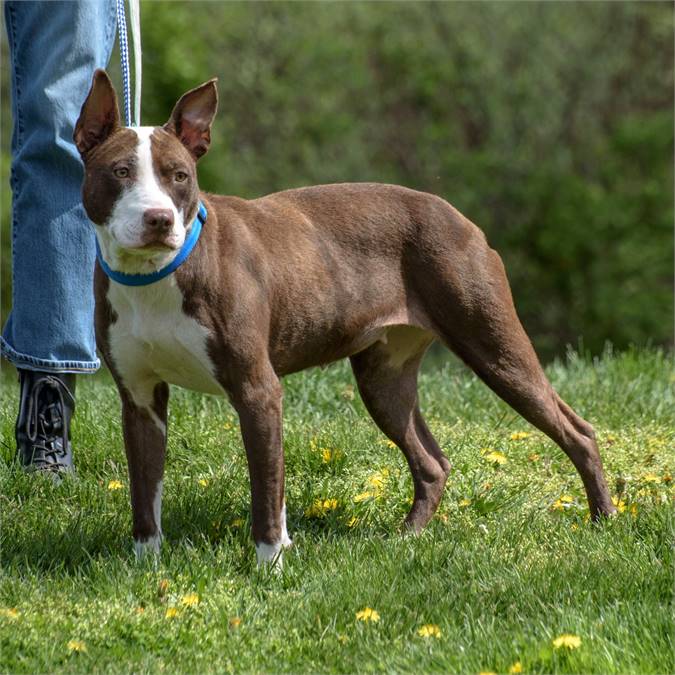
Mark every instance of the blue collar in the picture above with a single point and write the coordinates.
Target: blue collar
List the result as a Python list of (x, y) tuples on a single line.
[(146, 279)]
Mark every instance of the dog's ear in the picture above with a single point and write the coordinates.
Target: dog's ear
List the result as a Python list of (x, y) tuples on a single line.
[(192, 117), (99, 116)]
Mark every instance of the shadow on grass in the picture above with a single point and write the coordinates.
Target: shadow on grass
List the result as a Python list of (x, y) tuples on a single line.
[(49, 530)]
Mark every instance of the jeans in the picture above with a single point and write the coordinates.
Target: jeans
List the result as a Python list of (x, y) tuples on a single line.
[(54, 49)]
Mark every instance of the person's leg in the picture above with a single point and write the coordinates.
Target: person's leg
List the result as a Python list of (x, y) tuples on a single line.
[(54, 49)]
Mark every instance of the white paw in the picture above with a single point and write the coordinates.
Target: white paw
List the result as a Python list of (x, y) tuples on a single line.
[(148, 548), (270, 554)]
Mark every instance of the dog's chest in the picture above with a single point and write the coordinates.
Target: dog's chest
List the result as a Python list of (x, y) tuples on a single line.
[(154, 338)]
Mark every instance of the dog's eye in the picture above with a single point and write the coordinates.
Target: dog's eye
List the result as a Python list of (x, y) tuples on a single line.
[(180, 176), (121, 172)]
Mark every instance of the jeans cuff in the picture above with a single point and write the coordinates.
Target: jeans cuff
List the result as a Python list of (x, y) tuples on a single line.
[(26, 362)]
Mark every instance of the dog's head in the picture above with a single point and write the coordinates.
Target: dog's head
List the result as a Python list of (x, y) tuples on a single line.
[(140, 183)]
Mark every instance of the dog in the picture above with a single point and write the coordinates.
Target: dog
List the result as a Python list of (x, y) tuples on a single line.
[(271, 286)]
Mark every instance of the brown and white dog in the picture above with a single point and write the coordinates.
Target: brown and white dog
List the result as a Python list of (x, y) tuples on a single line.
[(281, 283)]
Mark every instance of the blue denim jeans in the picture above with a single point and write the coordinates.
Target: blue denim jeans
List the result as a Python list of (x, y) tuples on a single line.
[(54, 49)]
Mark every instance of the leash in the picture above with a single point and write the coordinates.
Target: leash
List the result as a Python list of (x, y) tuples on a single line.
[(196, 227), (135, 14), (147, 279)]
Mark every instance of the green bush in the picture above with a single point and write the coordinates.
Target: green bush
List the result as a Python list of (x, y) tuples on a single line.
[(550, 125)]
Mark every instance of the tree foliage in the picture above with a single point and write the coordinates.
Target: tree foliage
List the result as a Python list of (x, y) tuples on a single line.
[(550, 125)]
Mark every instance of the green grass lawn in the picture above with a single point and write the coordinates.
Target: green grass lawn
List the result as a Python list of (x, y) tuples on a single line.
[(509, 564)]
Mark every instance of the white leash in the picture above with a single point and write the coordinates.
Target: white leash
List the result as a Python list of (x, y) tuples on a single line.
[(135, 17)]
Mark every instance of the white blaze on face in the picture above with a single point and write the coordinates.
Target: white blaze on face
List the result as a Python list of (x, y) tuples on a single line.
[(125, 226)]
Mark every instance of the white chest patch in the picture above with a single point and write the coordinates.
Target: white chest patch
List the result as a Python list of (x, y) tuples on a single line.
[(153, 340)]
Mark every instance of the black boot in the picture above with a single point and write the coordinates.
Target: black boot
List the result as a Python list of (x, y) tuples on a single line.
[(46, 406)]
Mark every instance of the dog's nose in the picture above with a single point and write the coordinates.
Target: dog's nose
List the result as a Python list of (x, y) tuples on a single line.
[(158, 220)]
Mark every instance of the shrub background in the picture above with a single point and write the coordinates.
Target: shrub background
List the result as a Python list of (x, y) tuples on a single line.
[(550, 125)]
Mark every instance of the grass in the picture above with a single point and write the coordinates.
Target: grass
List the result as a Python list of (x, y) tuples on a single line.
[(509, 564)]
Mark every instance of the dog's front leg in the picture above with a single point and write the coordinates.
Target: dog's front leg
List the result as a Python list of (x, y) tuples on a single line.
[(144, 429), (257, 399)]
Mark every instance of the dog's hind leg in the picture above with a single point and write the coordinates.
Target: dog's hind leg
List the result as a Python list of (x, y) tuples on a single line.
[(477, 319), (386, 374)]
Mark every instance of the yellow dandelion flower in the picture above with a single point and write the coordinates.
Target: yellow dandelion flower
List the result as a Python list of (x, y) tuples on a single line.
[(516, 668), (352, 521), (390, 444), (378, 479), (429, 630), (574, 527), (495, 457), (115, 485), (321, 507), (237, 522), (567, 641), (487, 672), (234, 622), (519, 435), (610, 438), (619, 503), (633, 509), (76, 646), (563, 502), (534, 457), (348, 393), (464, 502), (368, 614), (9, 613), (140, 610), (651, 478), (227, 426), (330, 455), (203, 482), (364, 496), (171, 613), (190, 600)]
